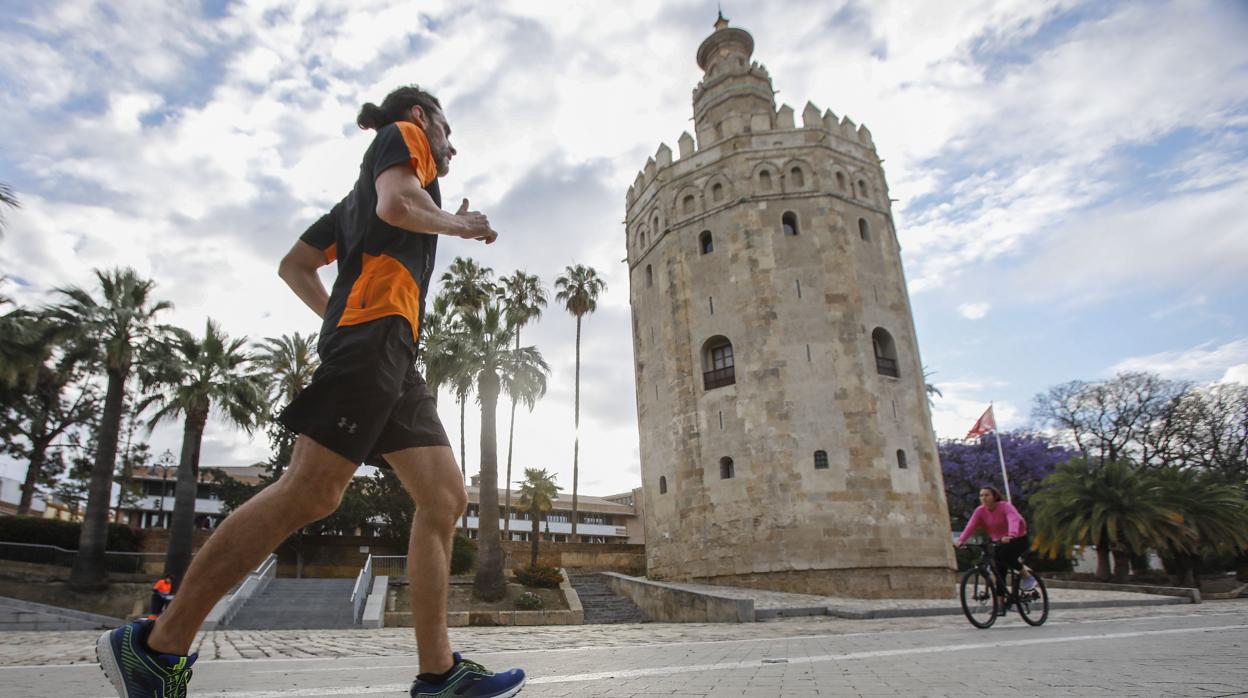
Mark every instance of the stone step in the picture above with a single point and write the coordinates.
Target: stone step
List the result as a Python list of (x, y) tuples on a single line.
[(603, 606)]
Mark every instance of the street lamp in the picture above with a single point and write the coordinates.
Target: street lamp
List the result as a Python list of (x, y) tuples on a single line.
[(165, 462)]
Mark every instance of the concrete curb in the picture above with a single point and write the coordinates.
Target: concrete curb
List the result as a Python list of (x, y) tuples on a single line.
[(664, 603), (1182, 592), (850, 614)]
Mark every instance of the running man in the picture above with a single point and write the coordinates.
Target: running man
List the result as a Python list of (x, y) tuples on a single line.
[(366, 402)]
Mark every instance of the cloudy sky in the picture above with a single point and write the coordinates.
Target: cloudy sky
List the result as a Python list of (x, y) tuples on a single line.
[(1071, 178)]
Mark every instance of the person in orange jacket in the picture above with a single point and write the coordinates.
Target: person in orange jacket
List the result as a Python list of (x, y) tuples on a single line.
[(162, 594)]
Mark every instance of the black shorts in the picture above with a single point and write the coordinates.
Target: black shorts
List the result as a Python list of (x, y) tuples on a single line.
[(367, 398)]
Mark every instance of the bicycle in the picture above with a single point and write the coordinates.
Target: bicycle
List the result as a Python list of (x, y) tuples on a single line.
[(979, 598)]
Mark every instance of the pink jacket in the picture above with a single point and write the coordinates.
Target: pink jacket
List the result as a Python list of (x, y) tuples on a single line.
[(1000, 522)]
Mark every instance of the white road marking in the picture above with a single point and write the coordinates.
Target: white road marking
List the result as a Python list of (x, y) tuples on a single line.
[(732, 666)]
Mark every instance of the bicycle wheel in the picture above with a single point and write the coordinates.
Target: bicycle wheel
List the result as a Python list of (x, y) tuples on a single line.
[(1033, 605), (978, 602)]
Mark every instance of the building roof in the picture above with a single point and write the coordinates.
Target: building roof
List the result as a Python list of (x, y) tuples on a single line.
[(249, 474), (563, 502)]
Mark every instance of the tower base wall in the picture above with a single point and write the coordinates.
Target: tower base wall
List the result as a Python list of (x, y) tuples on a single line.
[(863, 583)]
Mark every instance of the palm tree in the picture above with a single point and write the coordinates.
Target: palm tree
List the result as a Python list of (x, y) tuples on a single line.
[(579, 289), (468, 284), (538, 492), (286, 365), (466, 287), (42, 360), (524, 299), (122, 324), (1112, 506), (7, 198), (191, 377), (484, 345), (1213, 512)]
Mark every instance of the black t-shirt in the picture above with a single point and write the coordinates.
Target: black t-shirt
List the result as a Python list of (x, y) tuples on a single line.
[(382, 270)]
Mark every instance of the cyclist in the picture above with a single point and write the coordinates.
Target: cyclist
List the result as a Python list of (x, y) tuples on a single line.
[(1008, 529)]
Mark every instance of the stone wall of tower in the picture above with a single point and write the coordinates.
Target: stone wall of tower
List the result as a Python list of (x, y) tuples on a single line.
[(800, 312)]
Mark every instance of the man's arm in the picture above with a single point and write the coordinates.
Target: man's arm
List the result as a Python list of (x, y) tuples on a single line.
[(403, 203), (298, 270)]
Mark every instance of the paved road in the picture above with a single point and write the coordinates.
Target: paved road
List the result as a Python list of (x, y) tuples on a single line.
[(1171, 650)]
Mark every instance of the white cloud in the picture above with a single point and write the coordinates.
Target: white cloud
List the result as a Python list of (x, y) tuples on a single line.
[(1205, 362), (1236, 374), (962, 402), (973, 311), (197, 149)]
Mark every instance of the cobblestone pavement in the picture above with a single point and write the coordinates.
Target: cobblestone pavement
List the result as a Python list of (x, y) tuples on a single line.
[(1146, 651)]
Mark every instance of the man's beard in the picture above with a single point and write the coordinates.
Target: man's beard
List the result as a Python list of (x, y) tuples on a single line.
[(442, 159)]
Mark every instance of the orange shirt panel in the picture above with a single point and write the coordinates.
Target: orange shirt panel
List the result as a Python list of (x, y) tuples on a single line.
[(331, 253), (422, 157), (385, 287)]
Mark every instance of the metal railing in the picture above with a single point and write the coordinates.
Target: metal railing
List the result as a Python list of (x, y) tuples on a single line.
[(225, 609), (719, 377), (392, 566), (42, 554), (363, 586), (886, 366)]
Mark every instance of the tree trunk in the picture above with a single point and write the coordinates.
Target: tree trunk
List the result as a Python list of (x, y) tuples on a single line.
[(1102, 558), (1122, 561), (511, 433), (489, 583), (89, 572), (576, 431), (49, 393), (1241, 566), (34, 471), (182, 528), (463, 462), (536, 515)]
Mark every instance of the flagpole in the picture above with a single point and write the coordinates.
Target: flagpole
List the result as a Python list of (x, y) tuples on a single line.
[(1005, 477)]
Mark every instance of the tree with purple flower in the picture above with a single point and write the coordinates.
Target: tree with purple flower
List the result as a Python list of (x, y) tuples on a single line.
[(970, 465)]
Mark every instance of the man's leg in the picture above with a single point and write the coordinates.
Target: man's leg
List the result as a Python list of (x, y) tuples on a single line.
[(432, 478), (309, 489)]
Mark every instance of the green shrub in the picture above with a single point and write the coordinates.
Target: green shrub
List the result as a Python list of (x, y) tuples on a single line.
[(463, 555), (538, 576), (63, 534), (528, 601)]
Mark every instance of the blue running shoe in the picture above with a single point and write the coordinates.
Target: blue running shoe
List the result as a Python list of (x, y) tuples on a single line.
[(470, 680), (137, 673)]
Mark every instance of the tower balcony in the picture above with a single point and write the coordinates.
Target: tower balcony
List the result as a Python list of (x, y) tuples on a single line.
[(886, 366), (719, 377)]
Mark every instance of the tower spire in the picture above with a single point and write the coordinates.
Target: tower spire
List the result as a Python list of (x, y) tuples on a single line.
[(721, 22)]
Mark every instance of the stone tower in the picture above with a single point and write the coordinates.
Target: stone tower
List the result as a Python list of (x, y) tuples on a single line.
[(786, 441)]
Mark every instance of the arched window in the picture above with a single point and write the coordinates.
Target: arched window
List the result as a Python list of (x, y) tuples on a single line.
[(864, 231), (717, 192), (655, 225), (764, 180), (821, 460), (718, 367), (788, 223), (662, 484), (840, 181), (649, 276), (641, 237), (705, 243), (862, 188), (725, 468), (797, 178), (885, 352), (901, 459), (687, 204)]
